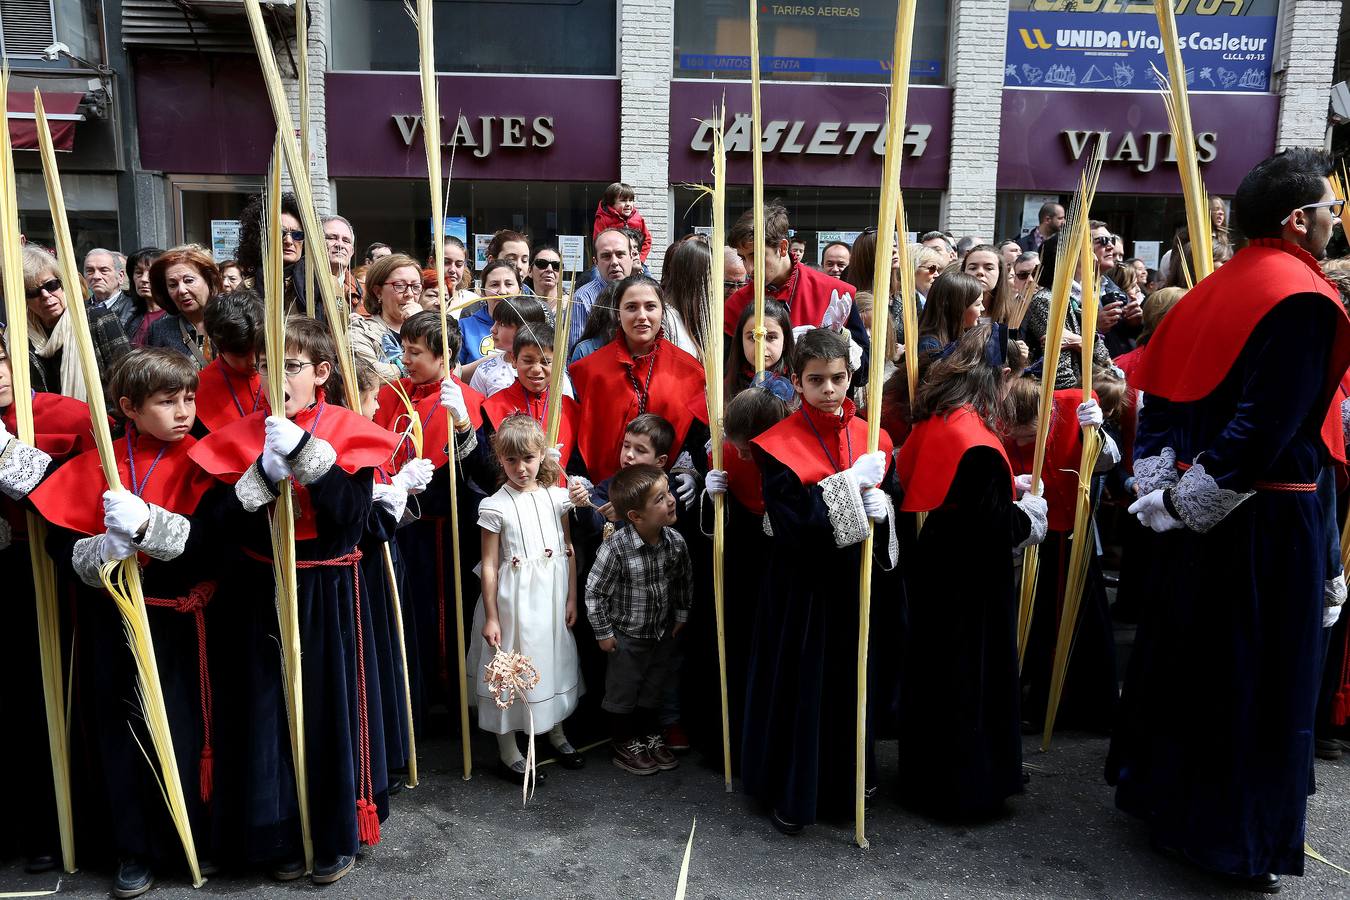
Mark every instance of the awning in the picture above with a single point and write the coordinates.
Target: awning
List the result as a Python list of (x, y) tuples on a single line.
[(62, 115)]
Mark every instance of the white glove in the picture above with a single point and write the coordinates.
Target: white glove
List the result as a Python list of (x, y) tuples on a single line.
[(274, 466), (800, 330), (686, 488), (579, 491), (836, 314), (125, 512), (283, 435), (1152, 512), (114, 546), (869, 469), (1023, 483), (554, 453), (452, 398), (1330, 615), (415, 475), (1089, 413), (716, 482), (874, 504)]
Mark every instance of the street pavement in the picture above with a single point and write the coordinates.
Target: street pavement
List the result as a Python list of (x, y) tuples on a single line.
[(601, 833)]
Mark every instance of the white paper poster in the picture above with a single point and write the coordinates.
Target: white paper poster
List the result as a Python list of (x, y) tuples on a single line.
[(825, 238), (1031, 209), (224, 239), (480, 248), (572, 249), (1149, 252)]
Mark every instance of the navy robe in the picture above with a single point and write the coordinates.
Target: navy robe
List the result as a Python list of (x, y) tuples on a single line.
[(1214, 742)]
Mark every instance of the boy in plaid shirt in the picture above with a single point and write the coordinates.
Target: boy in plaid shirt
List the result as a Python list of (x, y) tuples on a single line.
[(637, 598)]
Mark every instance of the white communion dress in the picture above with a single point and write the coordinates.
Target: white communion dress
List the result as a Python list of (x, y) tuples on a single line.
[(531, 606)]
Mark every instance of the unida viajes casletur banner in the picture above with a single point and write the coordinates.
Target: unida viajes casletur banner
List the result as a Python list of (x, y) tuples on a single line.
[(1113, 45)]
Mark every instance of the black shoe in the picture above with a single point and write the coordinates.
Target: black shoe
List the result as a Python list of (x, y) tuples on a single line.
[(515, 773), (1261, 884), (42, 862), (289, 870), (333, 870), (133, 879), (783, 825), (396, 784), (568, 757), (1329, 749), (207, 867)]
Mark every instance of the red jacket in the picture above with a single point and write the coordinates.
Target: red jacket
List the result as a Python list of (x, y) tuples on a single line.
[(609, 217), (805, 292)]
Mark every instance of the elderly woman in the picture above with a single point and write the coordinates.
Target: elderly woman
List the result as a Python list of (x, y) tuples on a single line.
[(183, 281), (54, 362), (393, 292)]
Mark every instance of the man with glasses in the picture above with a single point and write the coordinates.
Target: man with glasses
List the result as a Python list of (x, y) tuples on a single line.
[(1036, 325), (733, 272), (1024, 272), (1215, 747)]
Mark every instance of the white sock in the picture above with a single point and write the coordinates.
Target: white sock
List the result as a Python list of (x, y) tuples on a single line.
[(559, 740), (508, 750)]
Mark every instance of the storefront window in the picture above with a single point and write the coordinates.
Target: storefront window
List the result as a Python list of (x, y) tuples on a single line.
[(398, 211), (548, 37), (91, 208), (812, 211), (1146, 223), (851, 42)]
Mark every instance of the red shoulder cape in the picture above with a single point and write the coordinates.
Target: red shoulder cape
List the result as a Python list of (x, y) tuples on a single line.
[(805, 292), (1223, 309), (225, 396), (513, 399), (392, 416), (795, 444), (744, 480), (931, 455), (609, 402), (61, 425), (1333, 431), (1063, 453), (72, 496)]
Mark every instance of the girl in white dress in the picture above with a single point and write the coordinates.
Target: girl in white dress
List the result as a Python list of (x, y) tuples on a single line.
[(529, 599)]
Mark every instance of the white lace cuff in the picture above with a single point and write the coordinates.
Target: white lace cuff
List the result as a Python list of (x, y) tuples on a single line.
[(1333, 592), (892, 537), (253, 490), (844, 507), (1153, 472), (6, 534), (313, 460), (1036, 511), (21, 469), (392, 498), (467, 446), (767, 526), (165, 536), (683, 463), (1345, 420), (87, 560), (1199, 502)]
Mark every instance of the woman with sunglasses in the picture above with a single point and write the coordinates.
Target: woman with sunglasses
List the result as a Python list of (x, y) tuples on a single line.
[(545, 278), (183, 281), (928, 264), (393, 293), (51, 330)]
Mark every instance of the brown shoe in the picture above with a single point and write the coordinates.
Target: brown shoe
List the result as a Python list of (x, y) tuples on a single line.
[(631, 756), (660, 753)]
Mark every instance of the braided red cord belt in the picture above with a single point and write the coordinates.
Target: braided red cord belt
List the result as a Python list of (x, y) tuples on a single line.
[(194, 604), (367, 816), (1294, 487)]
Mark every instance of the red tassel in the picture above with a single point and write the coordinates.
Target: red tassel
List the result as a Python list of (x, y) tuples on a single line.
[(367, 822), (1340, 707), (206, 768)]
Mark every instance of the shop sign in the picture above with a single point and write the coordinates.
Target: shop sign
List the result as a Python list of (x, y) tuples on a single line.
[(825, 135), (1108, 45), (536, 129), (1047, 137)]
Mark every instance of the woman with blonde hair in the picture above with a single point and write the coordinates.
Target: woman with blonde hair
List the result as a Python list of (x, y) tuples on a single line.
[(51, 330)]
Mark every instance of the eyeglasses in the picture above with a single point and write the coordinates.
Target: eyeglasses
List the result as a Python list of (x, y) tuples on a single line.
[(1333, 206), (404, 287), (51, 286), (1023, 276), (554, 264), (1104, 240), (295, 235), (730, 286), (931, 269), (292, 367)]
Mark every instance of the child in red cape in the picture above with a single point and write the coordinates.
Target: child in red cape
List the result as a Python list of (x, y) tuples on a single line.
[(960, 685), (159, 514), (330, 454), (820, 490), (61, 429), (618, 209), (532, 351), (428, 624), (229, 388)]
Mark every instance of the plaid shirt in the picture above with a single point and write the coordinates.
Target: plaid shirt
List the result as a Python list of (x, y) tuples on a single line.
[(638, 588)]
